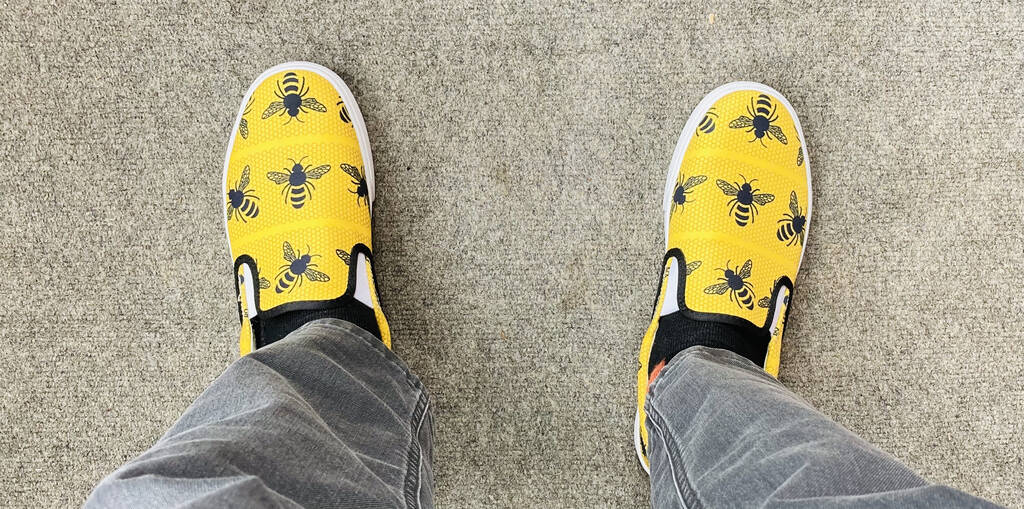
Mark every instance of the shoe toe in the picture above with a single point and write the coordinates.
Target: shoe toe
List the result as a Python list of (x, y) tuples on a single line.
[(296, 187), (739, 203)]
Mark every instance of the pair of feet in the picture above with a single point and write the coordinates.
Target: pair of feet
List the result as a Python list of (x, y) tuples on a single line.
[(299, 190)]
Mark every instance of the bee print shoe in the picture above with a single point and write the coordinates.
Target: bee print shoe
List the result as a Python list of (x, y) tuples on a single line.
[(298, 194), (737, 207)]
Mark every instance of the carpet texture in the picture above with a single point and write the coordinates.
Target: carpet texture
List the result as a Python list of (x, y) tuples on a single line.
[(520, 153)]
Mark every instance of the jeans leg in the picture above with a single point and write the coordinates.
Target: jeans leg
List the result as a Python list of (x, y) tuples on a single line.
[(326, 417), (723, 433)]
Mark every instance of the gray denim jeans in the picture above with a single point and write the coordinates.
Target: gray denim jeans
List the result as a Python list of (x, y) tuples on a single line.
[(329, 417)]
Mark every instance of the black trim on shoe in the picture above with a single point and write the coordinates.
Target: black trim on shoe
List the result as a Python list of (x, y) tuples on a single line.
[(676, 253), (343, 308), (718, 330), (676, 333), (273, 324)]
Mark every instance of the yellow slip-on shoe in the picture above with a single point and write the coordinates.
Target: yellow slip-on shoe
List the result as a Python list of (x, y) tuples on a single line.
[(298, 191), (737, 208)]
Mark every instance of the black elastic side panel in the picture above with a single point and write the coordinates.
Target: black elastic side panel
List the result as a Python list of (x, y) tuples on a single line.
[(343, 308), (677, 333)]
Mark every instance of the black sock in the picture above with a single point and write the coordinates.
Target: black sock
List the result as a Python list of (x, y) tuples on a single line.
[(677, 333), (274, 325)]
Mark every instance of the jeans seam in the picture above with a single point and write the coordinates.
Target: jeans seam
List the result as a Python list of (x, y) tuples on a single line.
[(414, 460), (684, 488)]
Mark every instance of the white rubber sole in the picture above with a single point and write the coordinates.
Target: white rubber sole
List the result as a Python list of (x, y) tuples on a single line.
[(638, 444), (362, 138), (673, 175)]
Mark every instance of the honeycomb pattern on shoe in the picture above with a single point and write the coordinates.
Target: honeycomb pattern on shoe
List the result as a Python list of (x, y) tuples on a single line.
[(739, 204), (297, 198)]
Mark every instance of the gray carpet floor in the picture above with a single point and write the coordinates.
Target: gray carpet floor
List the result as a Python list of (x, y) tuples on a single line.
[(520, 154)]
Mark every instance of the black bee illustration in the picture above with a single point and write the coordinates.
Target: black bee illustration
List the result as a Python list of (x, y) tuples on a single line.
[(298, 188), (291, 274), (293, 99), (740, 291), (692, 266), (242, 203), (359, 179), (743, 205), (800, 156), (343, 112), (760, 120), (345, 257), (707, 124), (264, 283), (243, 125), (766, 300), (791, 231), (685, 188)]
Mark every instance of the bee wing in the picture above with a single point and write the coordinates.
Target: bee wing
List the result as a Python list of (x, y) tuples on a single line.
[(243, 128), (776, 131), (318, 172), (352, 171), (694, 180), (244, 181), (745, 271), (692, 266), (800, 157), (719, 288), (316, 275), (727, 188), (264, 283), (344, 256), (742, 121), (764, 302), (794, 206), (314, 105), (764, 199), (277, 177), (289, 254), (274, 107), (229, 209)]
